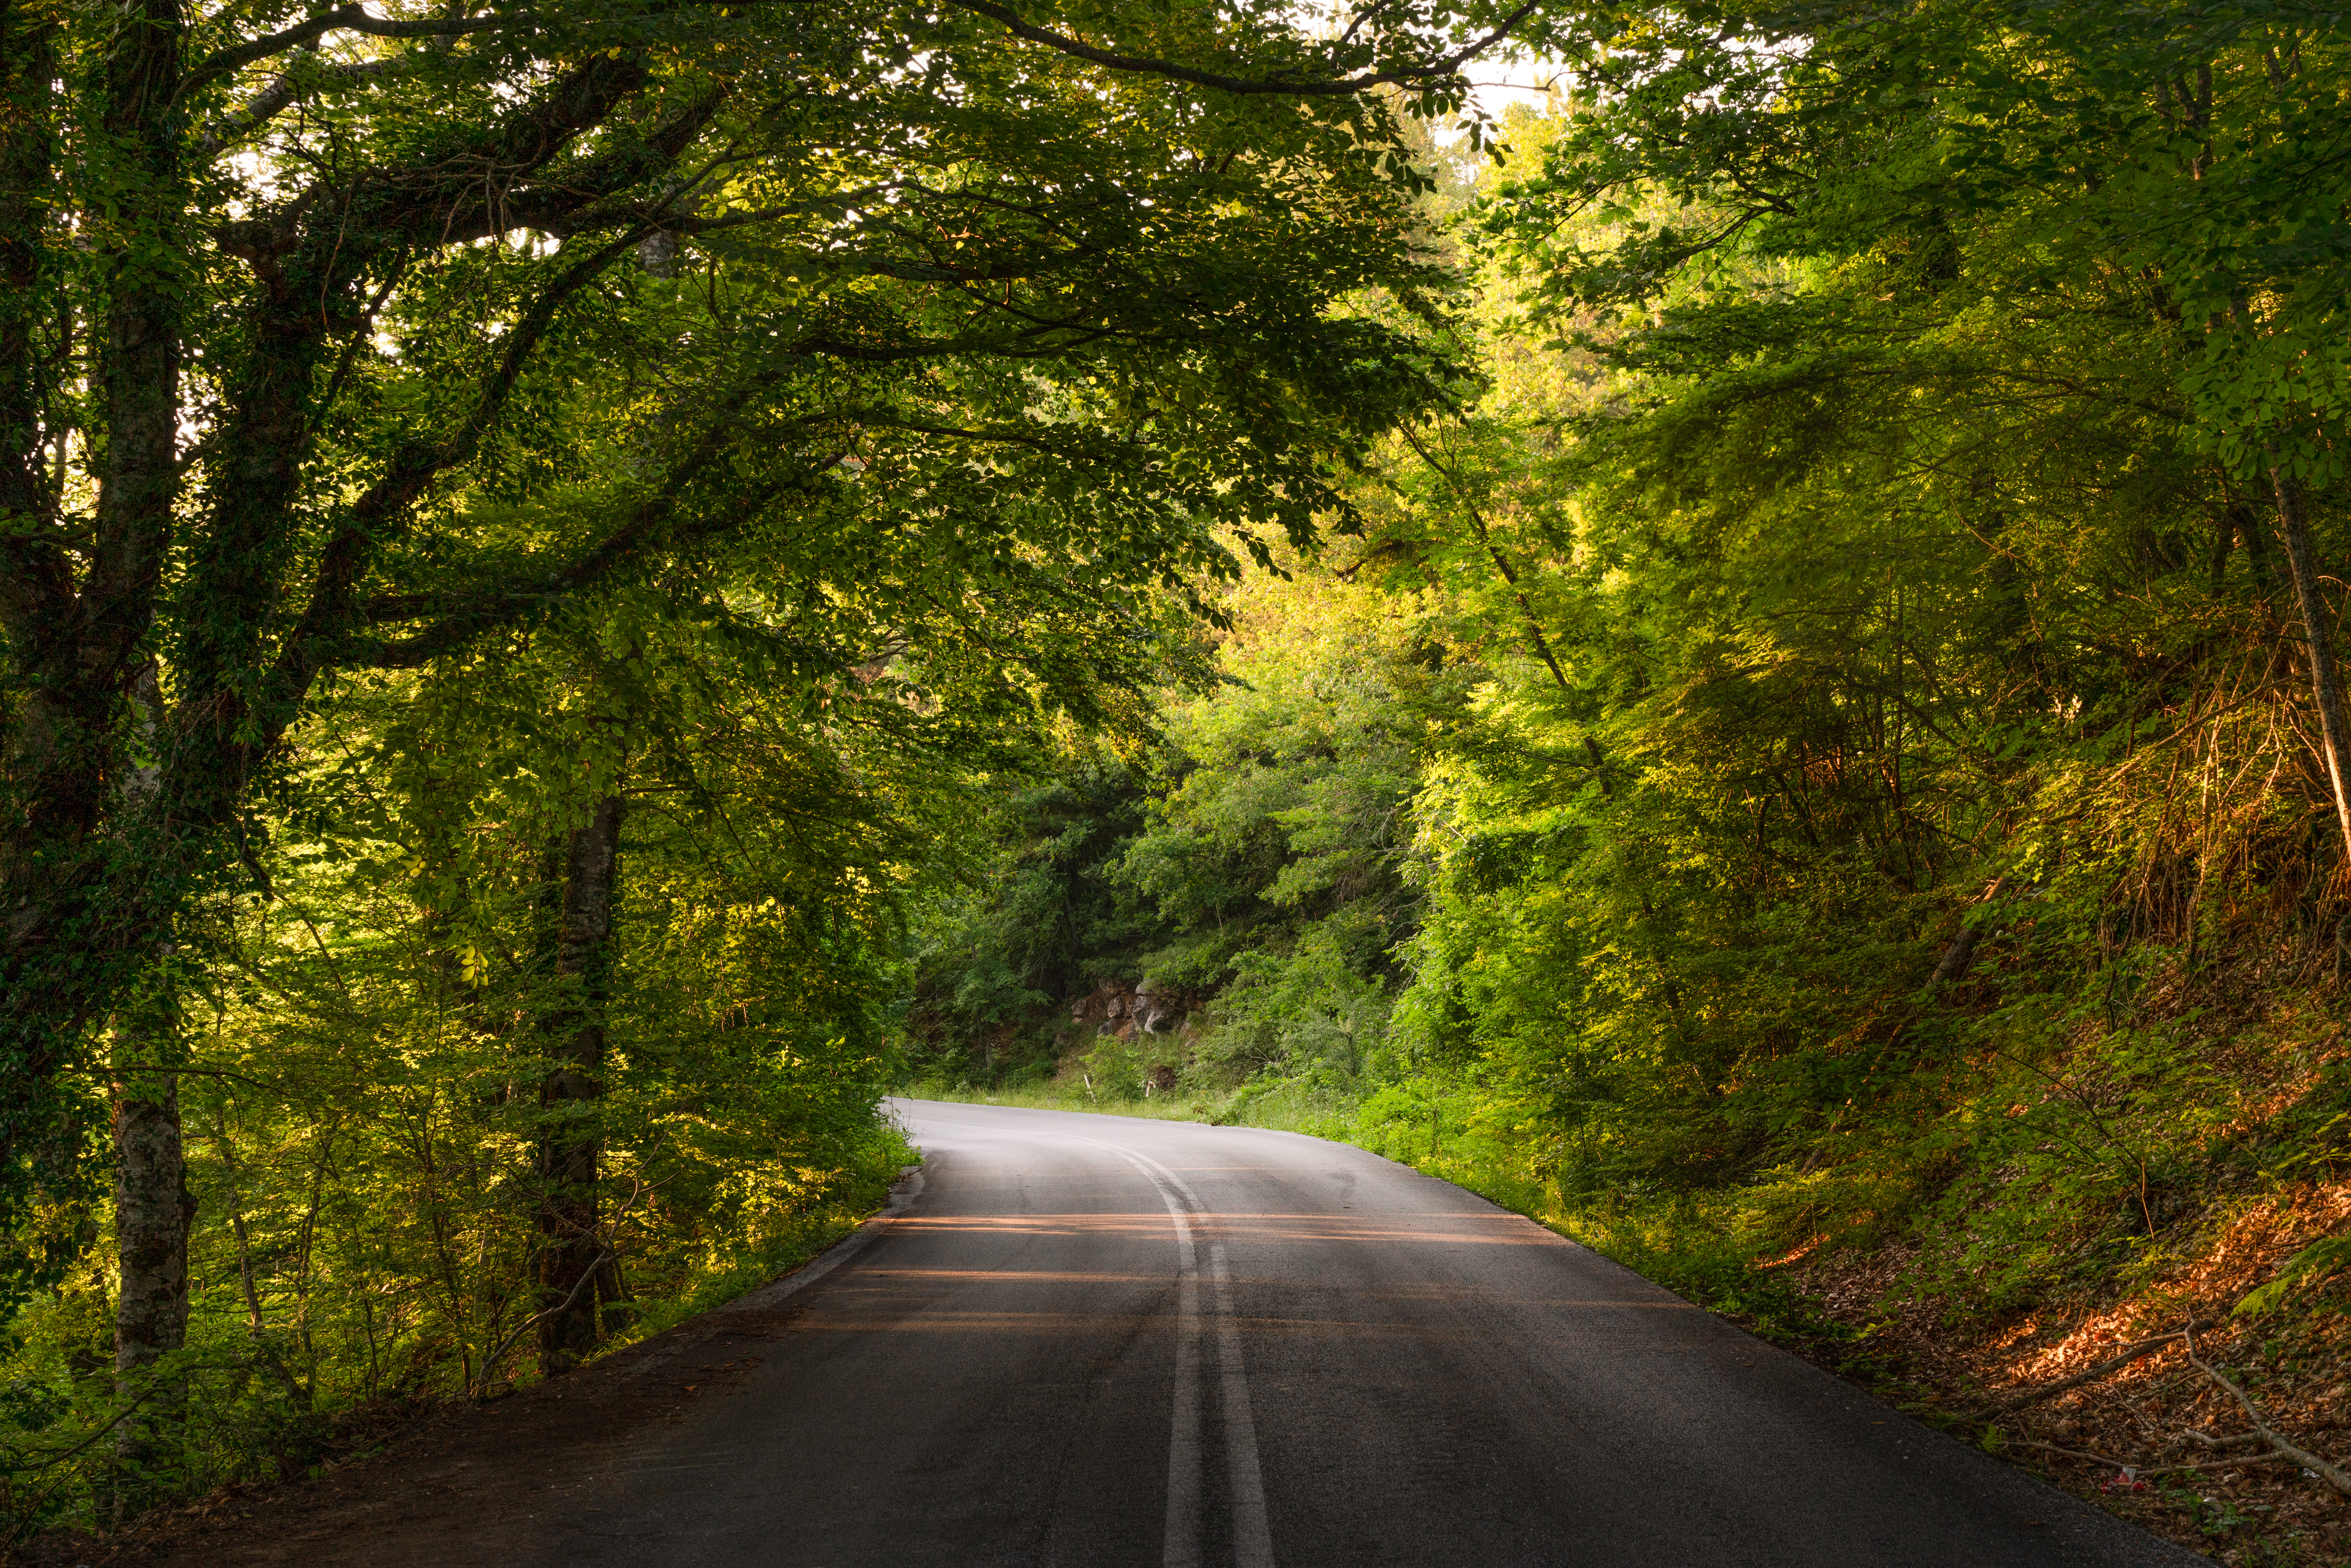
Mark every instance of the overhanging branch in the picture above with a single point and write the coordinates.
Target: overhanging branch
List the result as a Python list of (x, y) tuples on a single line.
[(330, 612), (343, 19), (1342, 87), (493, 607), (274, 99)]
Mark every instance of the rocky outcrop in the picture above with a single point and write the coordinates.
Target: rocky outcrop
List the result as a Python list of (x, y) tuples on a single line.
[(1126, 1008), (1150, 1011)]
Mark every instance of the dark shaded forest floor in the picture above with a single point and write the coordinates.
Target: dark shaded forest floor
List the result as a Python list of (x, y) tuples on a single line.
[(452, 1484), (459, 1482)]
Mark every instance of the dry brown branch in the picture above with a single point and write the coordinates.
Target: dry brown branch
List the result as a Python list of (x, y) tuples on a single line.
[(2069, 1453), (2308, 1460), (2051, 1390), (491, 1361), (2236, 1461), (2212, 1444), (2139, 1473)]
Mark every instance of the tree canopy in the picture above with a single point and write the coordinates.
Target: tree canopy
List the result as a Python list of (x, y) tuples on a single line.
[(339, 344), (519, 524)]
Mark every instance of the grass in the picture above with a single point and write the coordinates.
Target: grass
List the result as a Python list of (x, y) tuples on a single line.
[(1285, 1107), (1049, 1097), (802, 1236)]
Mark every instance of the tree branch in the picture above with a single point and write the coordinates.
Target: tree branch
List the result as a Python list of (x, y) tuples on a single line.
[(442, 217), (2130, 1352), (500, 605), (667, 216), (352, 19), (1341, 88), (329, 613), (2333, 1475), (490, 1361), (1004, 437), (283, 89)]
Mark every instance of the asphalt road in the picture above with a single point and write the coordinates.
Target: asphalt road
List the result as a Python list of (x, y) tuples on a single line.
[(1090, 1339)]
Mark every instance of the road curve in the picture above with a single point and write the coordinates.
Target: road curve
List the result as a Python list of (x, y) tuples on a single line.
[(1097, 1340)]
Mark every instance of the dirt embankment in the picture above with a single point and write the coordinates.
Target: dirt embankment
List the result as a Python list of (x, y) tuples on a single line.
[(2156, 1439), (447, 1485)]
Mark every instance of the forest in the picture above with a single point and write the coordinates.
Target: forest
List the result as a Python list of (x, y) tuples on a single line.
[(1743, 658)]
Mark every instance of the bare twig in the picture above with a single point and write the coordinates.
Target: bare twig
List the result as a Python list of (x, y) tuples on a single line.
[(604, 1255), (2308, 1460), (2212, 1444), (2235, 1461), (490, 1361), (2137, 1472), (2070, 1454)]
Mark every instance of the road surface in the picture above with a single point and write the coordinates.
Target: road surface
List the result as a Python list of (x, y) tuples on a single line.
[(1096, 1341)]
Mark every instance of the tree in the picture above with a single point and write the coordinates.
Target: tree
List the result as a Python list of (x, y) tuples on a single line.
[(2201, 148), (321, 354)]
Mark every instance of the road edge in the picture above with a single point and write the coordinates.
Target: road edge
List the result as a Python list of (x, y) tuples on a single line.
[(903, 1194)]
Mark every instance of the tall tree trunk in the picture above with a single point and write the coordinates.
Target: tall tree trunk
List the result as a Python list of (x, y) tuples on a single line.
[(2318, 636), (75, 622), (571, 1252), (152, 1209), (28, 66)]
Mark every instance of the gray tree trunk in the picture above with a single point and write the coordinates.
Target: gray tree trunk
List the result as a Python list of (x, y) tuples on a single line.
[(572, 1249), (152, 1210)]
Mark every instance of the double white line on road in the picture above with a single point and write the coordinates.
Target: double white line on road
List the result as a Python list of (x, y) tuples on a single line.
[(1252, 1540)]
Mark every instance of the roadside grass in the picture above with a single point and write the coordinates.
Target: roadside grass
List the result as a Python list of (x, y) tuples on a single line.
[(1281, 1107), (1427, 1133), (1052, 1097), (750, 1262)]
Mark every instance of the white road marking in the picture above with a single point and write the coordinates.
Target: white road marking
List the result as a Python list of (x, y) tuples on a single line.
[(1252, 1537), (1183, 1433), (1252, 1534)]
